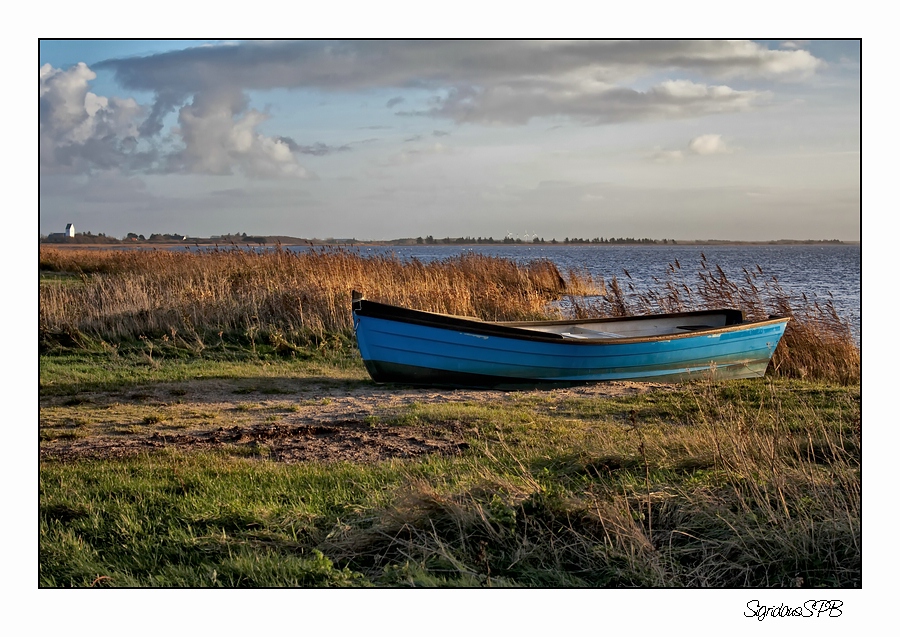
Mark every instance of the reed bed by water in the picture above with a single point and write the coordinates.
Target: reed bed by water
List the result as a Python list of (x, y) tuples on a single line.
[(278, 294), (289, 300), (818, 343)]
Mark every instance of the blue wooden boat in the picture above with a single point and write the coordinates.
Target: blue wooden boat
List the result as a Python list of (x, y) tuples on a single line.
[(401, 345)]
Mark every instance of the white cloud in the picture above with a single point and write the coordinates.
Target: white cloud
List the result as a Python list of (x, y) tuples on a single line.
[(363, 64), (78, 128), (743, 58), (597, 104), (662, 156), (81, 131), (710, 144), (220, 133), (482, 81)]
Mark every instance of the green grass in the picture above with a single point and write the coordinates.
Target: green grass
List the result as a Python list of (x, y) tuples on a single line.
[(172, 520), (75, 372), (60, 278), (751, 483)]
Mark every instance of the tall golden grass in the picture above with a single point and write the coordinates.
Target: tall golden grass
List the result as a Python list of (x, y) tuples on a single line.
[(818, 343), (290, 298), (282, 294)]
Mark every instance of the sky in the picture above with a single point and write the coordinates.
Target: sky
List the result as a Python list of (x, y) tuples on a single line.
[(378, 139)]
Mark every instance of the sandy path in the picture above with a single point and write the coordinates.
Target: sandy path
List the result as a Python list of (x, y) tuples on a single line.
[(288, 420)]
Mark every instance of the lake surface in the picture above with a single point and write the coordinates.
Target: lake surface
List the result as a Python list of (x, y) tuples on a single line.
[(821, 272)]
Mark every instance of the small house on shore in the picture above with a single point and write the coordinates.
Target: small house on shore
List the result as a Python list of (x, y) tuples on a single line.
[(59, 236)]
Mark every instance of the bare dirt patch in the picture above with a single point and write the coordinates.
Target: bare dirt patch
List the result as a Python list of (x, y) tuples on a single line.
[(287, 420)]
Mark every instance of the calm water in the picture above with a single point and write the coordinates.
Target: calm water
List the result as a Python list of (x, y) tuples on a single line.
[(819, 271)]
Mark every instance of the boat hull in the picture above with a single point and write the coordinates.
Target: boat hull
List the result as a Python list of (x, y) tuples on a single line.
[(414, 348)]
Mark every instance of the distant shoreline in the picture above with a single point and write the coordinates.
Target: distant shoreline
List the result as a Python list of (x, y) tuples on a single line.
[(286, 242)]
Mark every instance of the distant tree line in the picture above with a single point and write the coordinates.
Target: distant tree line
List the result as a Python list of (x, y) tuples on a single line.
[(244, 238), (430, 240), (241, 237), (80, 237), (91, 238), (617, 240)]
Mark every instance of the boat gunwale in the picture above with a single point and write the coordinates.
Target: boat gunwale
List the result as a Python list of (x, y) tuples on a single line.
[(515, 330)]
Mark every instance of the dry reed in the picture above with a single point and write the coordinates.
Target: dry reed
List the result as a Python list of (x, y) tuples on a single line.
[(291, 299), (818, 343), (279, 295)]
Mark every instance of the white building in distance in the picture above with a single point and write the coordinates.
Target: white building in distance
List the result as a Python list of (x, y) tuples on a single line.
[(70, 232)]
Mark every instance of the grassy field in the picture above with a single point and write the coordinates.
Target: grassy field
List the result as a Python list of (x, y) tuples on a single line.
[(218, 439)]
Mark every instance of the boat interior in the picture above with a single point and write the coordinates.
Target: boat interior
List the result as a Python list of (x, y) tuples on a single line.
[(649, 325), (629, 328)]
